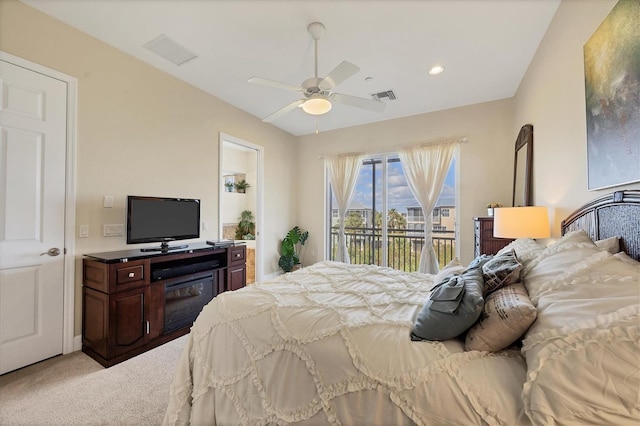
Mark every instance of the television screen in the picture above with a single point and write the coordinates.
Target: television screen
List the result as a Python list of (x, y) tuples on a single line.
[(156, 219)]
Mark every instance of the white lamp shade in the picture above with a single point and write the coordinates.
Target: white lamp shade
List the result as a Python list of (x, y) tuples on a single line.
[(521, 222), (316, 105)]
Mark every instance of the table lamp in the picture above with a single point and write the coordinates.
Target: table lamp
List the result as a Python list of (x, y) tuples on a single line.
[(521, 222)]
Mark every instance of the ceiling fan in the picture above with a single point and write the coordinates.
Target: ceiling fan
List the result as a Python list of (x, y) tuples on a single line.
[(317, 92)]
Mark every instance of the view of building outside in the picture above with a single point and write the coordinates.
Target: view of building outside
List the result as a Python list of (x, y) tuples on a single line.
[(405, 222)]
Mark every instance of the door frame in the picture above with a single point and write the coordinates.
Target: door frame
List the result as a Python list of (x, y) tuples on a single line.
[(259, 193), (69, 341)]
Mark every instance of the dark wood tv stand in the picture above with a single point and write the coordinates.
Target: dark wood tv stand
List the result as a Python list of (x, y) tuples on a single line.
[(133, 301)]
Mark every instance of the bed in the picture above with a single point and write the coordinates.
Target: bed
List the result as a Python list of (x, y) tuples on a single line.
[(557, 342)]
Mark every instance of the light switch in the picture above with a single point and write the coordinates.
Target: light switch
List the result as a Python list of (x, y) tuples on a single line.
[(113, 230), (108, 201), (84, 231)]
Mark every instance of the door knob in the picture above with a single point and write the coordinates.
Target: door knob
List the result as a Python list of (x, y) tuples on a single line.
[(52, 252)]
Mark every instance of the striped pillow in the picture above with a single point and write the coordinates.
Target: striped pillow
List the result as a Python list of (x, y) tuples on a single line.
[(502, 270)]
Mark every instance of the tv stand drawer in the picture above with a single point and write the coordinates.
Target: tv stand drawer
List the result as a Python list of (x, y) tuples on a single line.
[(113, 277), (130, 274)]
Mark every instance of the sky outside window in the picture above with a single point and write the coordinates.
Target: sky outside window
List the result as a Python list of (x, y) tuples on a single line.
[(398, 192)]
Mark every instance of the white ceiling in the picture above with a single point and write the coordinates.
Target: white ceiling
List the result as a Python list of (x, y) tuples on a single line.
[(484, 45)]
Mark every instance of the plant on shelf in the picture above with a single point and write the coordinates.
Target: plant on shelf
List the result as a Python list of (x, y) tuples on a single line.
[(241, 186), (491, 206), (291, 248), (246, 228), (229, 186)]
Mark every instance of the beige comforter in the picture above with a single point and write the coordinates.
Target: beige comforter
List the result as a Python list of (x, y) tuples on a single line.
[(329, 344)]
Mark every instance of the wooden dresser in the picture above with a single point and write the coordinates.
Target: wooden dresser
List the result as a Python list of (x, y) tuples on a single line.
[(485, 242)]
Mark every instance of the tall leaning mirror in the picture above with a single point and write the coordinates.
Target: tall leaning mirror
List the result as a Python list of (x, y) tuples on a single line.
[(523, 167)]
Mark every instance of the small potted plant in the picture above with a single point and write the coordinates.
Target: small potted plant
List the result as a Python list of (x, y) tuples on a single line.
[(492, 206), (246, 226), (290, 249), (228, 186), (241, 186)]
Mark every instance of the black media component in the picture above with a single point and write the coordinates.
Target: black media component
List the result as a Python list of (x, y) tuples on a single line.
[(186, 268)]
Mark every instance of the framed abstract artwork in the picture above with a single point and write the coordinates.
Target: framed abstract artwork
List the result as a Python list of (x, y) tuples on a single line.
[(612, 90)]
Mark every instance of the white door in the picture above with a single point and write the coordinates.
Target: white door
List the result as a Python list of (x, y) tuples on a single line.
[(32, 216)]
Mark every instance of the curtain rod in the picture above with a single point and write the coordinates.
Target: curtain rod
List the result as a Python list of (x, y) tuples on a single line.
[(461, 139)]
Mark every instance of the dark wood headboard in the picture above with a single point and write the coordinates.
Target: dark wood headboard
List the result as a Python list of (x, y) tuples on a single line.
[(613, 215)]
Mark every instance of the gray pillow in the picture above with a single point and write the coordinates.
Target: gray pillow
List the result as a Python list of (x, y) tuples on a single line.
[(453, 306)]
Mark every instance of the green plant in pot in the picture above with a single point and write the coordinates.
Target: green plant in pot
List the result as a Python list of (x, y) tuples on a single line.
[(242, 185), (229, 186), (291, 247), (246, 228)]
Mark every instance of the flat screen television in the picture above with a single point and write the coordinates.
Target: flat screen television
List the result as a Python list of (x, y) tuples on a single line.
[(161, 219)]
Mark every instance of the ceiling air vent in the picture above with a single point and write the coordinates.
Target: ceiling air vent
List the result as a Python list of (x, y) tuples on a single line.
[(387, 94), (170, 50)]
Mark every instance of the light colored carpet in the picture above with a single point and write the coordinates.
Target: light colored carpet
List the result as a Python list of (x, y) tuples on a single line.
[(75, 390)]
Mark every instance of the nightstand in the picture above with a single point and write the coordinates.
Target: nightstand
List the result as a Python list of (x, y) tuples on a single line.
[(485, 242)]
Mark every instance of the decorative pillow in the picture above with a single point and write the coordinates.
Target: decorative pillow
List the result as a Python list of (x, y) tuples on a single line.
[(453, 268), (479, 261), (507, 314), (612, 245), (582, 350), (500, 271), (626, 258), (453, 306), (526, 249), (555, 261)]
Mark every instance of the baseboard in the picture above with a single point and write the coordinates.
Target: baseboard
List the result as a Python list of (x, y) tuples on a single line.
[(273, 275), (77, 343)]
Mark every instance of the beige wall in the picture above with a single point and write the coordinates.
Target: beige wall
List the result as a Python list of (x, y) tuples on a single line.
[(143, 132), (485, 162), (552, 98)]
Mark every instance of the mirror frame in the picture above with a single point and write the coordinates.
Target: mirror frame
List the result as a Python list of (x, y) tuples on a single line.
[(524, 146)]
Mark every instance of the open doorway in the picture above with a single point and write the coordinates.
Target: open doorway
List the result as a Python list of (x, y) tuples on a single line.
[(240, 198)]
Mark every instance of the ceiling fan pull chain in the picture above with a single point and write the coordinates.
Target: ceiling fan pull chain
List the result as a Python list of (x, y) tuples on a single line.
[(317, 120)]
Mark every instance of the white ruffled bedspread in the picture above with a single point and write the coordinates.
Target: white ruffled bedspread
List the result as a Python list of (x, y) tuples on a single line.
[(329, 344)]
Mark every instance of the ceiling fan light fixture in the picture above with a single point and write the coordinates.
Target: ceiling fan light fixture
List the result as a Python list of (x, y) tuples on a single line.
[(437, 69), (317, 105)]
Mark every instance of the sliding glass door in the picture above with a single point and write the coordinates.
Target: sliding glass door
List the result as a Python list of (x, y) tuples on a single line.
[(384, 223)]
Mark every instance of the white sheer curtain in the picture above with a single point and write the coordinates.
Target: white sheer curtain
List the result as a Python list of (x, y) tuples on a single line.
[(343, 174), (425, 167)]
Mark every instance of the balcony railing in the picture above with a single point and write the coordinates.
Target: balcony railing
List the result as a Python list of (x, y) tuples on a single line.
[(404, 247)]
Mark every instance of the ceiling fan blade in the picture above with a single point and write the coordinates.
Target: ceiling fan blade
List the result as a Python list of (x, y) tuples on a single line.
[(283, 111), (339, 74), (273, 83), (355, 101)]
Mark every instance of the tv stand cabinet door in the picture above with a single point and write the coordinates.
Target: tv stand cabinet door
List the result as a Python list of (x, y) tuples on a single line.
[(114, 324), (128, 324), (237, 269), (237, 277)]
